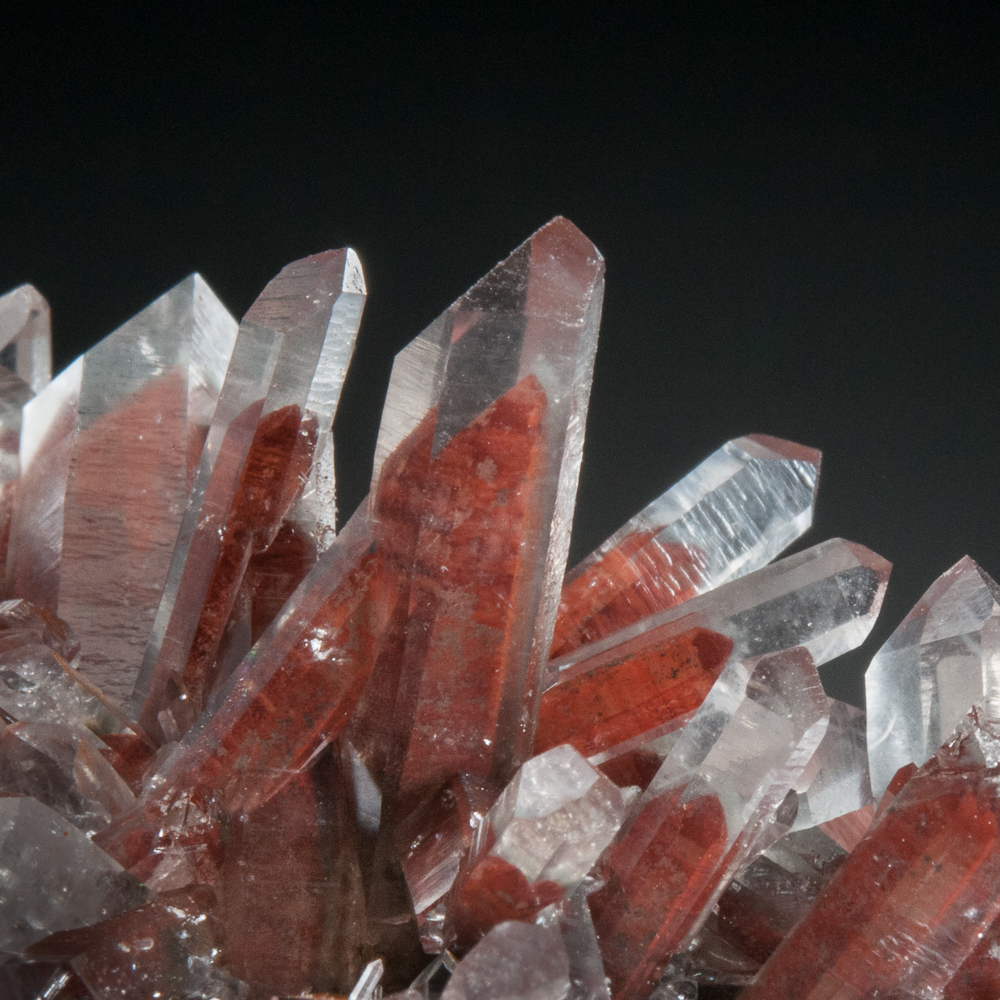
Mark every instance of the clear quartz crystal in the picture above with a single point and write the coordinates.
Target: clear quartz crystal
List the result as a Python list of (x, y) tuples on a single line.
[(367, 987), (825, 598), (555, 818), (728, 517), (586, 968), (107, 453), (274, 410), (26, 334), (54, 878), (943, 658), (719, 790), (38, 682), (64, 768), (616, 695), (515, 961), (836, 780)]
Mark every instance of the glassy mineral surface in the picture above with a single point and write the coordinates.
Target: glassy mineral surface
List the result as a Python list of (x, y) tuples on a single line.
[(249, 753)]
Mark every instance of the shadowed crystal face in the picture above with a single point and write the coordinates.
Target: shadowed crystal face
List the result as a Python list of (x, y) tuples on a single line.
[(54, 878), (943, 659)]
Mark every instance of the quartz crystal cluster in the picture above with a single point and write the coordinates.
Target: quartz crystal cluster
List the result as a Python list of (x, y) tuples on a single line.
[(247, 752)]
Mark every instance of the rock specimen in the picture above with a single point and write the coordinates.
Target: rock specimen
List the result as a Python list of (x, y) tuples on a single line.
[(245, 756)]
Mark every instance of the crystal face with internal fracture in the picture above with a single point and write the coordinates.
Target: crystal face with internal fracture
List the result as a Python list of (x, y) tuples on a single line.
[(943, 658)]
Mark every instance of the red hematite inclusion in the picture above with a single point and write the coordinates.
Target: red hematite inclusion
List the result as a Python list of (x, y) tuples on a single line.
[(623, 699), (911, 901), (654, 879), (472, 582), (637, 578)]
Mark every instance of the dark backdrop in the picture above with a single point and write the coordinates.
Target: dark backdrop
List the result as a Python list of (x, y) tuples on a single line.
[(799, 215)]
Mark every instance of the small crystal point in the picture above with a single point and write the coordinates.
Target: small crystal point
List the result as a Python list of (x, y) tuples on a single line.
[(274, 410), (26, 326), (728, 517), (943, 658), (536, 844), (836, 781), (107, 451)]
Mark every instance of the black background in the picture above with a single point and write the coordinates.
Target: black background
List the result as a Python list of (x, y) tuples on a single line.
[(799, 214)]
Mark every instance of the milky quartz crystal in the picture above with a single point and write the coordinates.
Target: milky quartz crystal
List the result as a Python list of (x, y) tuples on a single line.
[(943, 658), (269, 759), (108, 452), (728, 517)]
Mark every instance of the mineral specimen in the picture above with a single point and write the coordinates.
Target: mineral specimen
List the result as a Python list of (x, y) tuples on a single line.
[(245, 757)]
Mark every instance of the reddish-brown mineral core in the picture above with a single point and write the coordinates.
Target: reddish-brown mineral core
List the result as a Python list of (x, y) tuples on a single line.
[(628, 584)]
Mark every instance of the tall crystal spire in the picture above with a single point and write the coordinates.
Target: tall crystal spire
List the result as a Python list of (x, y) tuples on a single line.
[(108, 451), (498, 386), (279, 395)]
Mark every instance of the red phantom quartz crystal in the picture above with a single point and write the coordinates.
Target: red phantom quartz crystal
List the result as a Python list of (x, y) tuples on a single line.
[(276, 466), (656, 878), (635, 579), (912, 901), (472, 583), (618, 701)]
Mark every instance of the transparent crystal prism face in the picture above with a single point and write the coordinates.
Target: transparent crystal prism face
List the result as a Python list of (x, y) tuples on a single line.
[(273, 418), (942, 659), (514, 961), (107, 455), (556, 817), (55, 878), (586, 968), (836, 781), (715, 797), (64, 768), (14, 393), (728, 517), (751, 739), (825, 599), (617, 695), (26, 336)]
